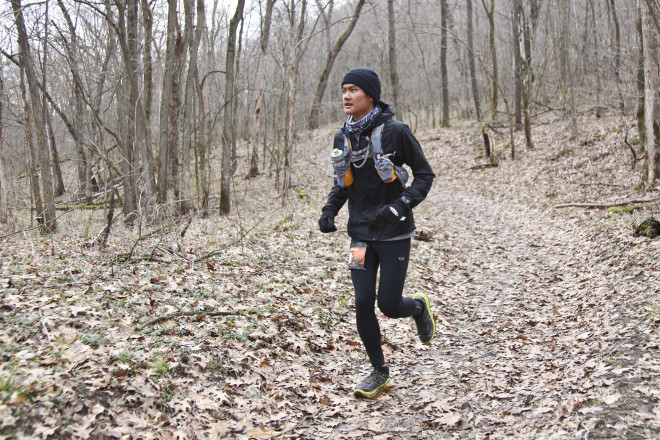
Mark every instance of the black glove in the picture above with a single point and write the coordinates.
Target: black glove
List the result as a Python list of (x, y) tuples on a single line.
[(327, 223), (394, 212)]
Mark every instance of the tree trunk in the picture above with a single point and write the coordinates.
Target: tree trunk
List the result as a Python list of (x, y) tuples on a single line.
[(490, 12), (641, 129), (651, 95), (166, 102), (470, 54), (444, 77), (292, 77), (654, 10), (330, 61), (263, 46), (391, 39), (188, 123), (526, 63), (202, 164), (565, 11), (35, 191), (236, 107), (596, 68), (127, 152), (46, 215), (3, 176), (127, 35), (228, 128), (617, 56), (517, 65), (430, 81), (97, 99), (73, 56), (147, 26), (54, 155), (174, 115)]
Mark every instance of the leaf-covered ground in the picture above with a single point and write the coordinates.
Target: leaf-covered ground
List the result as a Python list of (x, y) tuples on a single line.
[(242, 326)]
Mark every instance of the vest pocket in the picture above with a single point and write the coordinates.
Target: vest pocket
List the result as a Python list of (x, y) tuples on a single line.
[(385, 169), (343, 172), (389, 172)]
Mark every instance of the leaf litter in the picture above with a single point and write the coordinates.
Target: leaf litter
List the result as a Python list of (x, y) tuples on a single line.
[(244, 327)]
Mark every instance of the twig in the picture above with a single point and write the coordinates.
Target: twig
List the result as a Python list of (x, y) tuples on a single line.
[(602, 184), (297, 425), (185, 313), (605, 204), (111, 212), (235, 242), (43, 325), (185, 229), (485, 165)]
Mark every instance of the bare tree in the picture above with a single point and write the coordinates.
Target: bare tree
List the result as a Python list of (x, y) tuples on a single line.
[(517, 64), (202, 135), (263, 47), (3, 176), (34, 109), (444, 76), (54, 156), (228, 139), (297, 50), (565, 11), (73, 58), (617, 55), (524, 45), (127, 36), (470, 54), (490, 12), (651, 91), (594, 32), (166, 101), (654, 11), (147, 61), (641, 129), (330, 61), (188, 124), (391, 45)]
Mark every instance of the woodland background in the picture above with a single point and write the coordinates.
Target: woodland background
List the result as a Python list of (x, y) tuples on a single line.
[(163, 164)]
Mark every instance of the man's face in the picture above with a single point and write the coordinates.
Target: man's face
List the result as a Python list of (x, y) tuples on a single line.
[(356, 102)]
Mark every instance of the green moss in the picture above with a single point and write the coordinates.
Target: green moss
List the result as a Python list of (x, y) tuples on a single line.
[(563, 152), (631, 208), (613, 209)]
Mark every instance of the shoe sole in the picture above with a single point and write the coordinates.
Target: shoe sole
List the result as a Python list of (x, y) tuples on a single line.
[(428, 309), (372, 394)]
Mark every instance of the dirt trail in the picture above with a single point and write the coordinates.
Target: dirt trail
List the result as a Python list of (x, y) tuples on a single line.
[(540, 333)]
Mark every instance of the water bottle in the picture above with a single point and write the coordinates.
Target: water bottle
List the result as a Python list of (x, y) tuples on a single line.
[(337, 155)]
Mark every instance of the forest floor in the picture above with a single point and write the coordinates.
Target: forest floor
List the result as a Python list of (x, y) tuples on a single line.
[(243, 326)]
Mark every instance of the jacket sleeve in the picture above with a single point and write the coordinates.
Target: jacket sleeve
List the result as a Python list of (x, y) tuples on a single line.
[(409, 149), (336, 199), (338, 195)]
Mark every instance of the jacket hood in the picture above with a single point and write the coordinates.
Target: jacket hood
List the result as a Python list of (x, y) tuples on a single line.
[(388, 112)]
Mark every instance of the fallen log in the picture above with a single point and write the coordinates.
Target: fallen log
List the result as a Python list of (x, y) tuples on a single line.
[(604, 204), (197, 313)]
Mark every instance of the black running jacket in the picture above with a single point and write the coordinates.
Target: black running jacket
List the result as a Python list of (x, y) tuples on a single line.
[(369, 193)]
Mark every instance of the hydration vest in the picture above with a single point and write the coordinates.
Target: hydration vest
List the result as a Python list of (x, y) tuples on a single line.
[(387, 170)]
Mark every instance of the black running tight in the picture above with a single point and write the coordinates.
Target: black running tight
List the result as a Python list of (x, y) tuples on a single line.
[(392, 257)]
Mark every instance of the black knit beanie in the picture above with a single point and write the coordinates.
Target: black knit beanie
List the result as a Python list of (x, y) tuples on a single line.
[(366, 79)]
